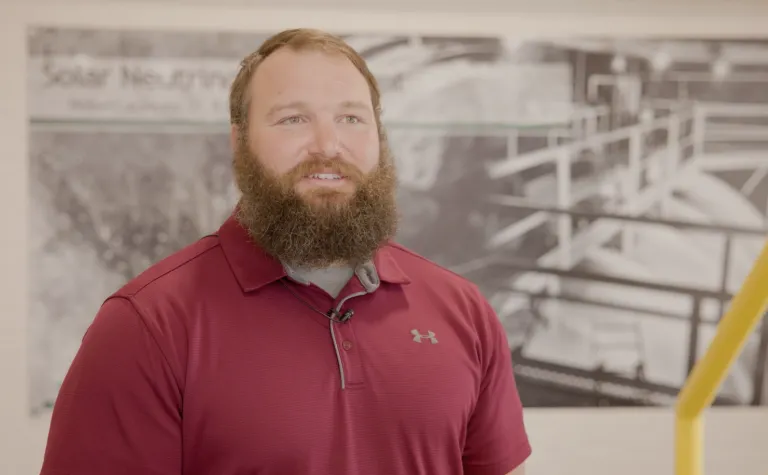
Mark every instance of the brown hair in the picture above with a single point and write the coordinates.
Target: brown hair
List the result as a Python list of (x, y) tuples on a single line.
[(297, 39)]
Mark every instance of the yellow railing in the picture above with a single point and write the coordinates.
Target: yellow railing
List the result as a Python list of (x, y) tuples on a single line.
[(699, 390)]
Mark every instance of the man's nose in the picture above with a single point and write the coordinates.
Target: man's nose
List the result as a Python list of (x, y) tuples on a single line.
[(326, 139)]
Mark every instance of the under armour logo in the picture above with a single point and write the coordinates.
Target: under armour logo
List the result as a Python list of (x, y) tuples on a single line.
[(418, 336)]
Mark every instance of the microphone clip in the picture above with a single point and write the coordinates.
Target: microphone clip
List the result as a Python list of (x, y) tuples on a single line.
[(341, 318)]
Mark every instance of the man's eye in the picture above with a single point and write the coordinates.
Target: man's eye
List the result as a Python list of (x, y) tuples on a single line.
[(294, 119), (351, 119)]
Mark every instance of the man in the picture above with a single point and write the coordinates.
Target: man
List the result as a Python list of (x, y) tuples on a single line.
[(299, 339)]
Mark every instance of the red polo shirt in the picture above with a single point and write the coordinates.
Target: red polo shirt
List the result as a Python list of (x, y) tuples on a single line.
[(206, 364)]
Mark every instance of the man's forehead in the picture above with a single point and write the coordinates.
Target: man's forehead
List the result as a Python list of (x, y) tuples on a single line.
[(291, 77)]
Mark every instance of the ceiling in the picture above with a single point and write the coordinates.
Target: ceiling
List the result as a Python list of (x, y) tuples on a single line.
[(593, 7)]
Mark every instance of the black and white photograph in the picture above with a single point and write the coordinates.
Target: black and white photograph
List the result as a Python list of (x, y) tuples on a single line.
[(608, 196)]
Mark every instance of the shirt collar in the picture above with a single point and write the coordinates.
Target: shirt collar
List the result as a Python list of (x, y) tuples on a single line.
[(254, 268)]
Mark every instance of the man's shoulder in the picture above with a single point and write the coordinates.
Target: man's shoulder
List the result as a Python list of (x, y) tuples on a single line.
[(165, 275), (420, 268)]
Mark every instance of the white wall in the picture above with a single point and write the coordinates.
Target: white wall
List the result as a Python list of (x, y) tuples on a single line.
[(622, 441)]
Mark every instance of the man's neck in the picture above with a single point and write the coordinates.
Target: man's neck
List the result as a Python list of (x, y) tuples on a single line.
[(331, 279)]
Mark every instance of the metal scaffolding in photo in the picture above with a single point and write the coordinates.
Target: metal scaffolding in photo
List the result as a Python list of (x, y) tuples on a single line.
[(652, 210)]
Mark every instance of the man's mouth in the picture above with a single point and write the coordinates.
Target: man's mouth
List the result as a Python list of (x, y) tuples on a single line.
[(325, 176)]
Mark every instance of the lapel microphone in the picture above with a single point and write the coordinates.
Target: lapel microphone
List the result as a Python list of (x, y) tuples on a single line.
[(332, 314)]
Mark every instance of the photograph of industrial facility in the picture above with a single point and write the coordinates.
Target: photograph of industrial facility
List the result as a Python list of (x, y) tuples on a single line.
[(607, 195)]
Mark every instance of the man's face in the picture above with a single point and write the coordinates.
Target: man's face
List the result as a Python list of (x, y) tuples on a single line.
[(312, 121), (317, 180)]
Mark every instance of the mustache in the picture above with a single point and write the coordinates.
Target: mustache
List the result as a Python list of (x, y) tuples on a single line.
[(324, 165)]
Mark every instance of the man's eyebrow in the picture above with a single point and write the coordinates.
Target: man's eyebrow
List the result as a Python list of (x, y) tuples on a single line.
[(356, 105), (288, 105), (277, 108)]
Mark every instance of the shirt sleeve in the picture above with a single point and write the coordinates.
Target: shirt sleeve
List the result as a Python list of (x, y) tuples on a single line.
[(118, 411), (497, 441)]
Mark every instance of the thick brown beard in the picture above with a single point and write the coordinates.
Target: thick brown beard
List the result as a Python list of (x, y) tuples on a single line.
[(326, 229)]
